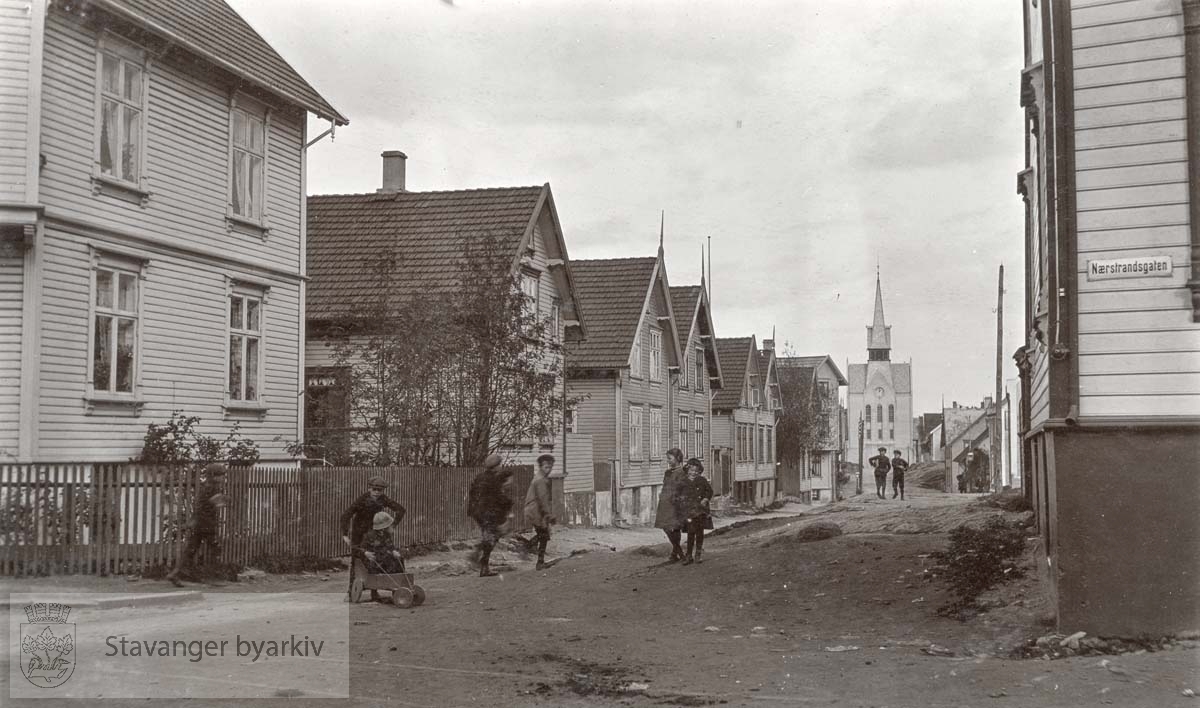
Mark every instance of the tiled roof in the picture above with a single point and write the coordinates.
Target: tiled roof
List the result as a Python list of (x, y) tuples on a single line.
[(812, 362), (425, 230), (217, 33), (735, 362), (611, 293), (684, 301)]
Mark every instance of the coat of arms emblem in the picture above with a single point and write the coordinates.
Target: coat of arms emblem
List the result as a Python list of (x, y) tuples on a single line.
[(47, 644)]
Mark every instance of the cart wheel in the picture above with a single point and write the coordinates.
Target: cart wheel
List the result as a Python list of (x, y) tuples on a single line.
[(356, 591), (402, 597), (418, 595)]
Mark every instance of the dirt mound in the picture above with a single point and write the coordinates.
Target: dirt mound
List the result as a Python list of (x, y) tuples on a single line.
[(928, 475), (816, 531), (1008, 500)]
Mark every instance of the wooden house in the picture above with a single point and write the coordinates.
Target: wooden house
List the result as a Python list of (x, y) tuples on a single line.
[(816, 379), (1110, 370), (428, 233), (744, 415), (152, 171), (624, 375), (697, 379)]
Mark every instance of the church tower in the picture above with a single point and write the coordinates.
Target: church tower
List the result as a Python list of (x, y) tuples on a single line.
[(880, 394)]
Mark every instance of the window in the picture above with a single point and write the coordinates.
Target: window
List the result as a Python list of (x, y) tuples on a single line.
[(635, 432), (115, 314), (880, 432), (868, 415), (120, 111), (571, 419), (762, 443), (655, 354), (656, 433), (816, 466), (245, 347), (635, 358), (248, 159), (529, 288), (770, 444), (891, 433), (698, 440), (879, 412), (683, 433), (698, 364), (754, 396), (891, 413), (556, 319), (868, 431), (816, 494)]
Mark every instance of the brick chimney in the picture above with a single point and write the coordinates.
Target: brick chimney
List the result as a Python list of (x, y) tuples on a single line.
[(393, 171)]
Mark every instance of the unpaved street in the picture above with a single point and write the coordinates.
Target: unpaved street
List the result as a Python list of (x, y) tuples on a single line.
[(765, 620)]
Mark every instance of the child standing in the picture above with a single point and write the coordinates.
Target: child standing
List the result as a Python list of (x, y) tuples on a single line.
[(694, 495), (538, 509)]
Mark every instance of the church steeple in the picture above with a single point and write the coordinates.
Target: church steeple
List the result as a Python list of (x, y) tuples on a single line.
[(879, 334)]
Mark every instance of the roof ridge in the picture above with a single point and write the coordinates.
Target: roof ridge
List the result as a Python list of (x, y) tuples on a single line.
[(471, 190), (626, 259)]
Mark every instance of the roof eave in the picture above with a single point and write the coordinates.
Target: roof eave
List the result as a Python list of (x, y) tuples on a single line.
[(328, 112)]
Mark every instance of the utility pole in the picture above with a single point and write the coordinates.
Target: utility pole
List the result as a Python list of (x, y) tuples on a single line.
[(995, 427), (860, 452)]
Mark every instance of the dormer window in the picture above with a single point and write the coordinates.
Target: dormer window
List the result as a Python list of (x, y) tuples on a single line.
[(656, 363), (635, 357)]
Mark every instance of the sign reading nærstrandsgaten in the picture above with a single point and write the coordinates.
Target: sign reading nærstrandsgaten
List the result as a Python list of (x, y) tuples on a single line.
[(223, 645), (1139, 267)]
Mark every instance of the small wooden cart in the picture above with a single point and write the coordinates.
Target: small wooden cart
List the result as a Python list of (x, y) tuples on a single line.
[(405, 593)]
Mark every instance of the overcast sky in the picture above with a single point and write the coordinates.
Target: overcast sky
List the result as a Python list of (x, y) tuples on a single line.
[(809, 138)]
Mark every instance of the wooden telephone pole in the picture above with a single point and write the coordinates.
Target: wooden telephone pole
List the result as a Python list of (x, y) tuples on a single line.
[(996, 427)]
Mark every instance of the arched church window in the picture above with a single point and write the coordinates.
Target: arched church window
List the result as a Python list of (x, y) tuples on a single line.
[(868, 414), (891, 413), (879, 412)]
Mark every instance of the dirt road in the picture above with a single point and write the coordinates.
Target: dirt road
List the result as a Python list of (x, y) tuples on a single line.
[(765, 620)]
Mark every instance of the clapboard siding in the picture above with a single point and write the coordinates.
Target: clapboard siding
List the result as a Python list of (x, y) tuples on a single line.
[(646, 393), (11, 284), (187, 155), (183, 354), (689, 400), (1138, 346), (1039, 394), (596, 414), (15, 44)]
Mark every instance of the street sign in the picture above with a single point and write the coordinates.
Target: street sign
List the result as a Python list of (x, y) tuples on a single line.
[(1139, 267)]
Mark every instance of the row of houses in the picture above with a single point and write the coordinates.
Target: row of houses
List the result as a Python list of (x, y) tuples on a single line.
[(159, 253)]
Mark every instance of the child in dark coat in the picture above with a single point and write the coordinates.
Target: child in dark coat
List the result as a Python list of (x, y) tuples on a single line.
[(378, 547), (693, 498)]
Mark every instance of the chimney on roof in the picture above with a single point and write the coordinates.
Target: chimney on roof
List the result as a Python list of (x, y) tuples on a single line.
[(393, 171), (769, 345)]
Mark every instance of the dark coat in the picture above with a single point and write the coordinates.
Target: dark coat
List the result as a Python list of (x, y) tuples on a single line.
[(899, 466), (665, 516), (692, 498), (379, 542), (882, 465), (205, 514), (488, 502), (358, 519)]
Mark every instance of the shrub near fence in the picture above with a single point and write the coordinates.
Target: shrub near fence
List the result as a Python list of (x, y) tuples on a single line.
[(126, 518)]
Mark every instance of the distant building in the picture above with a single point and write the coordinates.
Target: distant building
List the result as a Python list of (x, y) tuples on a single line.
[(815, 378), (928, 425), (880, 393), (744, 415), (955, 421), (1110, 369)]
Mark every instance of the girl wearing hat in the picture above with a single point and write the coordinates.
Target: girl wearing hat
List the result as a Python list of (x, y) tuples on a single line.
[(693, 498), (666, 516), (378, 547)]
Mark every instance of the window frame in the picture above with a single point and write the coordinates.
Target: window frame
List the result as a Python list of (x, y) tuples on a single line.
[(656, 355), (246, 290), (636, 442), (125, 52), (699, 367), (698, 436), (656, 433), (119, 264), (635, 356), (259, 111), (891, 412), (684, 427)]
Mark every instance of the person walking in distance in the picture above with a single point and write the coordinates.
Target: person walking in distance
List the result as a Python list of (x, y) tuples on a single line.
[(899, 467), (666, 516), (359, 517), (694, 495), (882, 467), (202, 527), (538, 510), (489, 504)]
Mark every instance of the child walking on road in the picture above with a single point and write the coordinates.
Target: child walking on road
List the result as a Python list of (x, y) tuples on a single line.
[(882, 467), (694, 495), (899, 467), (538, 510), (666, 516)]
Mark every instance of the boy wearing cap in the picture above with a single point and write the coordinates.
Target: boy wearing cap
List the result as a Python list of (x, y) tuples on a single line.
[(882, 466), (538, 509), (899, 467), (490, 505), (357, 520), (202, 527)]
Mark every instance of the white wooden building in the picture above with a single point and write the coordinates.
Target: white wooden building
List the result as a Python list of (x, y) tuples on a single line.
[(151, 227)]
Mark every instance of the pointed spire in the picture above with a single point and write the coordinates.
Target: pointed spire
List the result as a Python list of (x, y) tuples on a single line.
[(879, 334), (662, 220), (702, 266)]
